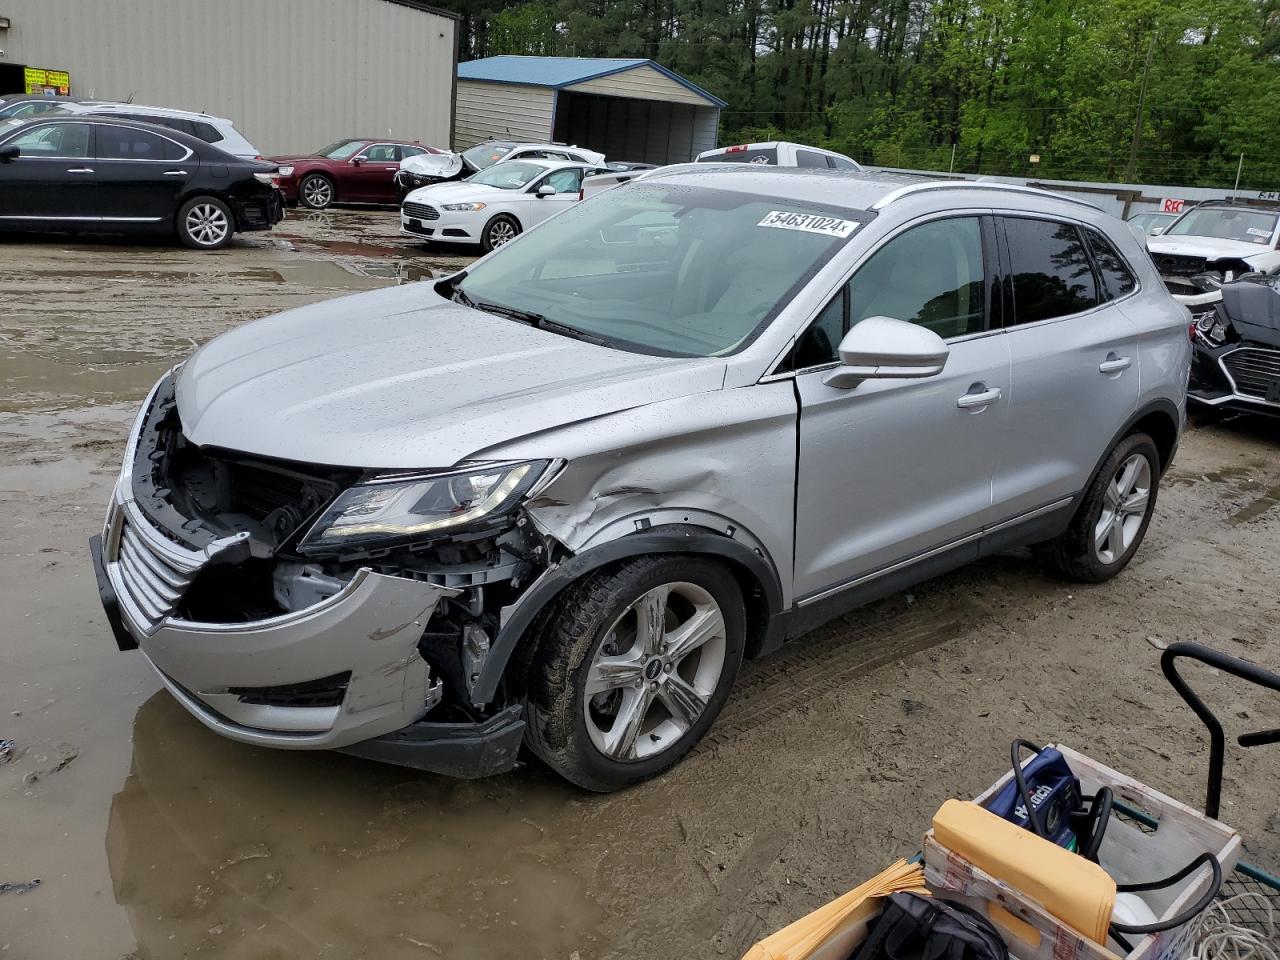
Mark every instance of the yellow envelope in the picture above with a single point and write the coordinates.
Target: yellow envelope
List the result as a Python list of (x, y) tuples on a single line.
[(1076, 891)]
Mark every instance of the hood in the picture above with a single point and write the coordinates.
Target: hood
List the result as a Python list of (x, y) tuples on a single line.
[(403, 378), (458, 190), (1213, 248), (433, 165)]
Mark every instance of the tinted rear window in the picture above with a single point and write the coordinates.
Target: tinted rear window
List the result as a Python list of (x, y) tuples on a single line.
[(206, 131), (769, 155), (1052, 276), (125, 143), (1117, 278)]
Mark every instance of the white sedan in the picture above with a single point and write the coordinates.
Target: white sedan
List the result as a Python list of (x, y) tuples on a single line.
[(494, 205)]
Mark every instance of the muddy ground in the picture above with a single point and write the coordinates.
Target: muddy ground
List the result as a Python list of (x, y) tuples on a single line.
[(153, 838)]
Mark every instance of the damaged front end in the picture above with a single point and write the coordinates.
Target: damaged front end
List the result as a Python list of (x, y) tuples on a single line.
[(1236, 354), (291, 605)]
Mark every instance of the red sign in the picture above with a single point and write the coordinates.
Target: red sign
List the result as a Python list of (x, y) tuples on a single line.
[(1172, 205)]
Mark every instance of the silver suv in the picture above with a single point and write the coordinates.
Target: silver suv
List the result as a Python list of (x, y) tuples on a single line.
[(554, 500)]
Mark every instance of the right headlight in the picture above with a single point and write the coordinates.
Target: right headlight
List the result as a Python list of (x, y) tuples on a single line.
[(384, 512)]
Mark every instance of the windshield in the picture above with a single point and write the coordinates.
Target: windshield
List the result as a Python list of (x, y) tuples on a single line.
[(485, 154), (663, 269), (1250, 226), (341, 150), (511, 175)]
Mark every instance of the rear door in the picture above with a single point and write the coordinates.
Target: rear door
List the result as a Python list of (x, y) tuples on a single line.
[(141, 175), (1074, 380), (54, 176), (897, 471)]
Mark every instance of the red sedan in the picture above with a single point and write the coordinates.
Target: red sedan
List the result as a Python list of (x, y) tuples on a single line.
[(349, 171)]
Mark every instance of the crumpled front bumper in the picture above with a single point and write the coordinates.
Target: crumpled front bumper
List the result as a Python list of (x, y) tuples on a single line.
[(238, 678)]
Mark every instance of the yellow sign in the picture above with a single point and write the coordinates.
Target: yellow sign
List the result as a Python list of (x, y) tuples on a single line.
[(44, 81)]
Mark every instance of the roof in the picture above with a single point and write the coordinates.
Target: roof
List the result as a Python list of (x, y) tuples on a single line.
[(560, 72)]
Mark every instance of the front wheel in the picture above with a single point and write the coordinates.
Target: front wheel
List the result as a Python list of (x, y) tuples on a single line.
[(316, 192), (633, 669), (205, 223), (1113, 517), (501, 229)]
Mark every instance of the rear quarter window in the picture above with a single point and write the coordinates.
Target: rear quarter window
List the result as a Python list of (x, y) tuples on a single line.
[(205, 131), (1117, 279)]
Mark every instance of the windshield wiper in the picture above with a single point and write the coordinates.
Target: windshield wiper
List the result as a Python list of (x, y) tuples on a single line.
[(534, 320)]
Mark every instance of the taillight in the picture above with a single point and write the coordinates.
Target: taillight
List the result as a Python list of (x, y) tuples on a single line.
[(1191, 331)]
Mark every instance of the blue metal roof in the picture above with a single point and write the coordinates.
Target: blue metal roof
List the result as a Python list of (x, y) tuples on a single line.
[(560, 72)]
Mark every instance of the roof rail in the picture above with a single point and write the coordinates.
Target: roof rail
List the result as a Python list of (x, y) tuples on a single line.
[(914, 188)]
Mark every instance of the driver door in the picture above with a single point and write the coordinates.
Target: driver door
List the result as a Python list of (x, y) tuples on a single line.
[(53, 177), (371, 174), (895, 473), (567, 182)]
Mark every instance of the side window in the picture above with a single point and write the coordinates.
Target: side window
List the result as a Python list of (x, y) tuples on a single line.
[(407, 152), (205, 131), (1050, 268), (380, 153), (807, 158), (566, 181), (126, 143), (69, 140), (840, 163), (931, 275), (1117, 278)]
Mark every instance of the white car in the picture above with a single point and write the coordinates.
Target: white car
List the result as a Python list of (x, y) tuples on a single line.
[(422, 171), (778, 153), (495, 205), (218, 131), (1213, 243)]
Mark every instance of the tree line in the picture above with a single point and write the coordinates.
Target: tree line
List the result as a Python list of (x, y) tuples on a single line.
[(1148, 91)]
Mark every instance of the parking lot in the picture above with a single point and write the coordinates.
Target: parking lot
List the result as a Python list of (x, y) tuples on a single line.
[(154, 838)]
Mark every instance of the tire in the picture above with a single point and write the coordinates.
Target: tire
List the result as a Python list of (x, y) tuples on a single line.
[(316, 192), (595, 637), (205, 223), (501, 229), (1101, 540)]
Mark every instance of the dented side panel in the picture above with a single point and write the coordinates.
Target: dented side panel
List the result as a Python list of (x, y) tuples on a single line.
[(726, 461)]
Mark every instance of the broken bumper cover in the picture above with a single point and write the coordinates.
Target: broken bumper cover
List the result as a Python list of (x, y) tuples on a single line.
[(1241, 378), (343, 673)]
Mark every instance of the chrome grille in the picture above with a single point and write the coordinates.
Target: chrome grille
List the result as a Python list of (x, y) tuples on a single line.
[(152, 582), (421, 211), (1253, 371)]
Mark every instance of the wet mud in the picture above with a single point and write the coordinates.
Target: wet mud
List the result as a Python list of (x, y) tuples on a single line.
[(153, 838)]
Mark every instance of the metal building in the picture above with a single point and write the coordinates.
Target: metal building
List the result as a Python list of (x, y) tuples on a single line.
[(634, 110), (293, 75)]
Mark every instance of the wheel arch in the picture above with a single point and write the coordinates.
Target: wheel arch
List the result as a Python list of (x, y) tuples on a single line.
[(1161, 420), (761, 588)]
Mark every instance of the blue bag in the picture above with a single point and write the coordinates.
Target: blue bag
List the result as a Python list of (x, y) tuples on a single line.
[(1043, 797)]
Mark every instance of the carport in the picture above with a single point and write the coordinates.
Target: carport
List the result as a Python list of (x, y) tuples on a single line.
[(635, 110)]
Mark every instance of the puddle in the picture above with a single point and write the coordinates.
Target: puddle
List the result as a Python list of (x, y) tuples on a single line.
[(225, 850)]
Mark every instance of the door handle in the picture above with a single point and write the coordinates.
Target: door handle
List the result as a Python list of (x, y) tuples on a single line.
[(973, 400), (1115, 364), (175, 173), (81, 170)]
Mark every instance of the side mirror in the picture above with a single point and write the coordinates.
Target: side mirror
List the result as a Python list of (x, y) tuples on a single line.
[(1156, 231), (357, 161), (9, 152), (881, 348), (546, 190)]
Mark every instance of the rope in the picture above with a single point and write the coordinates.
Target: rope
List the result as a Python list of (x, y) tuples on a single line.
[(1215, 937)]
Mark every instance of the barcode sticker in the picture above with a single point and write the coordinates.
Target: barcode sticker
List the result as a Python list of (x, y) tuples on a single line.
[(808, 223)]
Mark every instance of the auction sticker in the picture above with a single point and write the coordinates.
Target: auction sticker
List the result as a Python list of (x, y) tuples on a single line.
[(809, 223)]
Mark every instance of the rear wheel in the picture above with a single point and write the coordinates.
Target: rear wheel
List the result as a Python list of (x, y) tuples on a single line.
[(501, 229), (633, 669), (316, 191), (205, 223), (1113, 517)]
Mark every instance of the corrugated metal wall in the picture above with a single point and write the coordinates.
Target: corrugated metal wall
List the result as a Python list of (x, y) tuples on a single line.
[(647, 131), (502, 111), (293, 74), (640, 83)]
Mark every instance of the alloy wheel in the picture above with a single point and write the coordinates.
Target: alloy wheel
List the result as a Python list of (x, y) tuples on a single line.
[(501, 232), (207, 224), (1124, 506), (318, 192), (655, 672)]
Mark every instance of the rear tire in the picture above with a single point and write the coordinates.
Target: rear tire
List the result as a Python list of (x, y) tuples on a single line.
[(1112, 520), (501, 229), (205, 223), (316, 192), (609, 701)]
